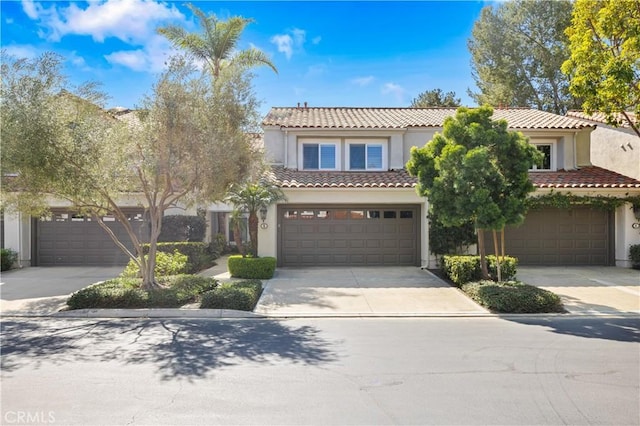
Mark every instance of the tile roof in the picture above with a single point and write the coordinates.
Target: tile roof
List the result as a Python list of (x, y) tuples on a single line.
[(291, 178), (400, 118), (586, 177), (600, 117)]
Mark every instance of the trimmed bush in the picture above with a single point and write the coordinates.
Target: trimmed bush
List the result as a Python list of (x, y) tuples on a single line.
[(463, 269), (166, 264), (200, 255), (261, 268), (513, 297), (183, 228), (126, 293), (240, 295), (634, 256), (7, 258)]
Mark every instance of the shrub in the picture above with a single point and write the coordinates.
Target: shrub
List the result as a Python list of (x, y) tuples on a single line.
[(166, 264), (252, 267), (241, 295), (126, 293), (513, 297), (634, 256), (183, 228), (463, 269), (199, 255), (7, 258)]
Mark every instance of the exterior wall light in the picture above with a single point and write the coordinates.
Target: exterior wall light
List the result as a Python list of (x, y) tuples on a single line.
[(263, 217), (636, 213)]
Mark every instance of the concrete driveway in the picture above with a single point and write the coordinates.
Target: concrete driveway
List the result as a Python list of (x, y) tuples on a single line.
[(588, 289), (44, 290), (372, 291)]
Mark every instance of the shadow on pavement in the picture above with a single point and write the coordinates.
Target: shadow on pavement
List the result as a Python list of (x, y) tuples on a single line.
[(182, 349), (623, 329)]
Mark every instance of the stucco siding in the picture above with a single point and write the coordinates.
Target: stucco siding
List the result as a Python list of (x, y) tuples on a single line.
[(617, 150)]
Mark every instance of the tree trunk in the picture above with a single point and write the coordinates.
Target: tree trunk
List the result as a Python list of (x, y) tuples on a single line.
[(148, 263), (253, 233), (483, 257), (496, 248), (237, 237)]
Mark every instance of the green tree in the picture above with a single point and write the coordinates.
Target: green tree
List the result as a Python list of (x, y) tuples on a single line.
[(186, 145), (604, 65), (217, 43), (435, 98), (517, 48), (251, 197), (476, 170)]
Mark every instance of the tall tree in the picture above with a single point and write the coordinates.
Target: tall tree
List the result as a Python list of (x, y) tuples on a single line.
[(435, 98), (187, 143), (250, 197), (475, 170), (604, 66), (517, 49), (217, 43)]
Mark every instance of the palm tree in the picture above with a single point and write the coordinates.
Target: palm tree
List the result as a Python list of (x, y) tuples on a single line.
[(217, 42), (236, 221), (251, 197)]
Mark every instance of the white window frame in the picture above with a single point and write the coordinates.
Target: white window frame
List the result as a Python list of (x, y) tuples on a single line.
[(320, 142), (367, 143), (553, 157)]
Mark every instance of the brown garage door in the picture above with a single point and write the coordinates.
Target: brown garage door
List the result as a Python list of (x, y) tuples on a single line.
[(577, 236), (349, 236), (68, 239)]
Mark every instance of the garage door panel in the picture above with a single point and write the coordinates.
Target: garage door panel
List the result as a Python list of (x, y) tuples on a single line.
[(579, 236), (351, 236), (67, 239)]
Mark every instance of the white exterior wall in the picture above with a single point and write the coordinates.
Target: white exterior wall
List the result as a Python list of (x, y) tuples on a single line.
[(617, 150), (268, 238), (625, 234), (17, 236)]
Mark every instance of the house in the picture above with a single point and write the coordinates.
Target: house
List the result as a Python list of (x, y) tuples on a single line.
[(351, 202), (613, 148)]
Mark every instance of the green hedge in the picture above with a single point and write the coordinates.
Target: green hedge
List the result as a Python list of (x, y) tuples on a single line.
[(240, 295), (634, 256), (166, 264), (513, 297), (261, 268), (7, 258), (463, 269), (125, 293), (199, 255)]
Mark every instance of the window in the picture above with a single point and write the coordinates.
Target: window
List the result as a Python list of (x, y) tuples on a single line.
[(319, 156), (366, 156), (548, 151)]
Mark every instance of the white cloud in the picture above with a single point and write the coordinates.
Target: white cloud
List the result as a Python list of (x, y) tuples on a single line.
[(315, 70), (134, 59), (395, 90), (9, 21), (284, 43), (290, 42), (21, 51), (316, 40), (151, 58), (363, 81), (132, 21)]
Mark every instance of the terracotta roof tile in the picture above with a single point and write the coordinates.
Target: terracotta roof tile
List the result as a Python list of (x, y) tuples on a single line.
[(586, 177), (600, 117), (291, 178), (400, 118)]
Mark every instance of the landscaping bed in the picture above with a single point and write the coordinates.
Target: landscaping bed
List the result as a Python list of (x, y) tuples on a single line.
[(175, 292)]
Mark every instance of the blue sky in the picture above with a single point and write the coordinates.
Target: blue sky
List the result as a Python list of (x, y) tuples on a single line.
[(338, 53)]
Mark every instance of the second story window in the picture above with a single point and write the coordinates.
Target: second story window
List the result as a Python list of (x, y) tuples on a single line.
[(318, 156), (547, 151), (366, 156)]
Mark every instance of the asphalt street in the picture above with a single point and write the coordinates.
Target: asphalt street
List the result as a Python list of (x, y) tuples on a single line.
[(476, 371)]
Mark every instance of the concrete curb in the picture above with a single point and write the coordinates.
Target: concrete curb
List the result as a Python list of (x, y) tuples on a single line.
[(232, 314)]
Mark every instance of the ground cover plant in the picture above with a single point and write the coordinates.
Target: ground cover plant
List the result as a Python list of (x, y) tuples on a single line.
[(128, 293), (239, 295), (512, 297)]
